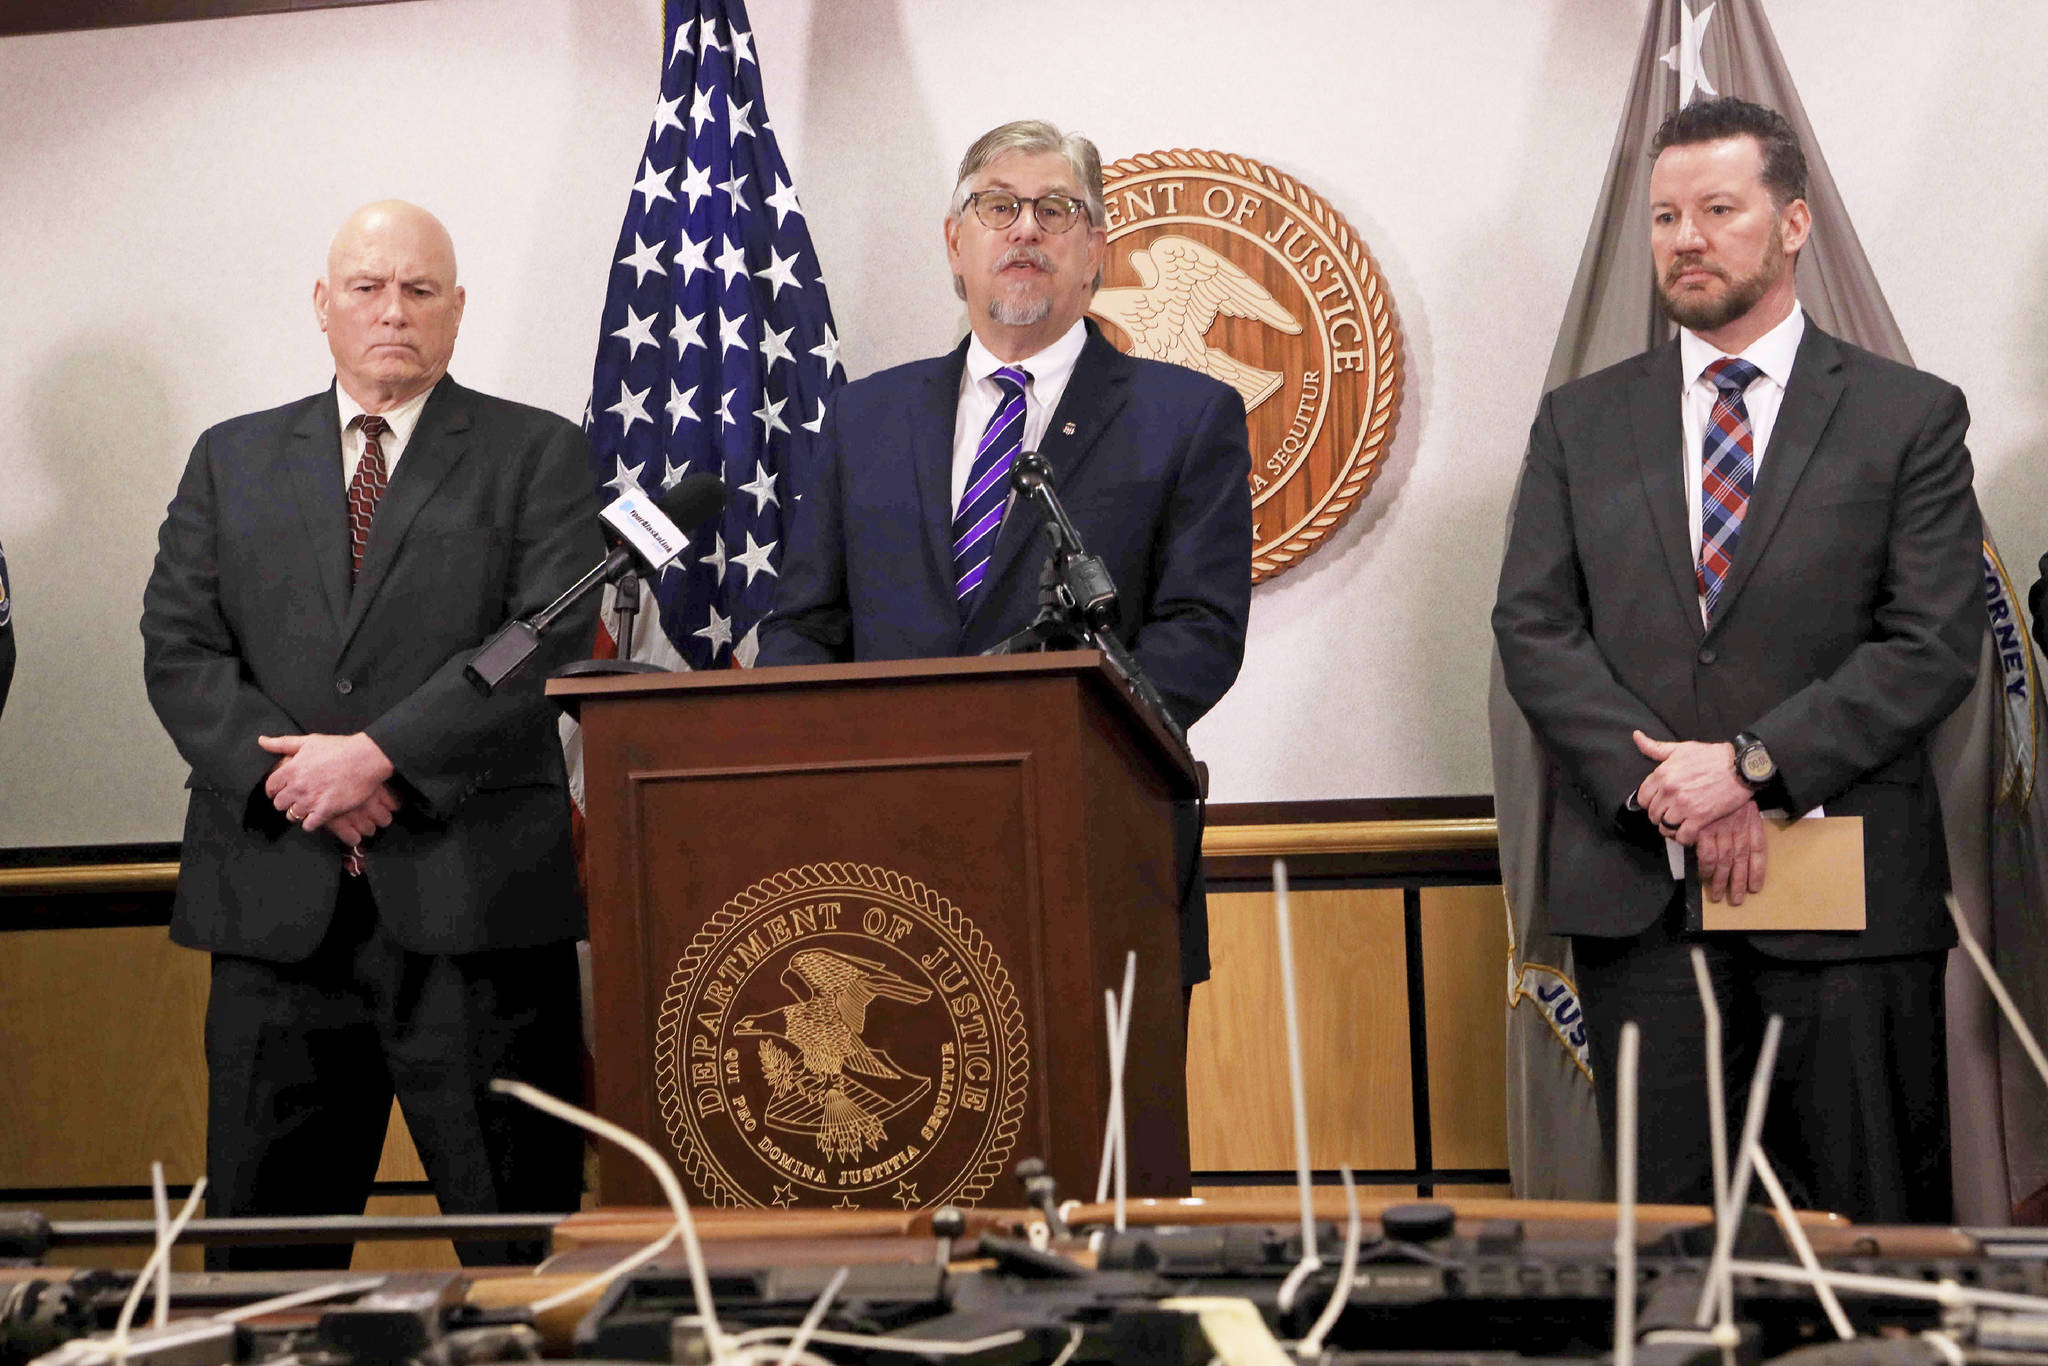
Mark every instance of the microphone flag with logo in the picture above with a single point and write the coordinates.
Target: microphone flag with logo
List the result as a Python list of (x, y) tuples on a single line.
[(716, 349)]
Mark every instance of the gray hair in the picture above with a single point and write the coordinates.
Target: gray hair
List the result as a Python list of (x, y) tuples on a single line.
[(1031, 137)]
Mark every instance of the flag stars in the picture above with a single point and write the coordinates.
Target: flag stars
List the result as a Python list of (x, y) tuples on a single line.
[(780, 271), (681, 403), (828, 351), (637, 332), (687, 332), (737, 114), (652, 184), (775, 347), (627, 480), (735, 191), (718, 631), (696, 183), (725, 417), (749, 648), (716, 559), (763, 487), (732, 261), (732, 334), (702, 110), (783, 201), (631, 408), (690, 254), (742, 48), (707, 35), (671, 475), (682, 43), (665, 112), (770, 415), (645, 259), (756, 559), (817, 423)]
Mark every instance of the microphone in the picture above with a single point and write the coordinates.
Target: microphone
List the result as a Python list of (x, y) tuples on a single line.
[(1084, 576), (650, 535), (1086, 586)]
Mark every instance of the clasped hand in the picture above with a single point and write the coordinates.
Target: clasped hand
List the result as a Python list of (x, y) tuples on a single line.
[(337, 783), (1694, 797)]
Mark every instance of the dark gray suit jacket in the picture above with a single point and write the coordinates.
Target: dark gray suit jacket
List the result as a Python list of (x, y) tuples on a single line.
[(1848, 628), (250, 627)]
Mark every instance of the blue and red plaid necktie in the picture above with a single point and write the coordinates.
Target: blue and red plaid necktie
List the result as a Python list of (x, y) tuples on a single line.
[(988, 486), (1727, 474)]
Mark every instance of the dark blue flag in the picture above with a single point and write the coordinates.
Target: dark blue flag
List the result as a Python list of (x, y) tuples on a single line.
[(717, 348)]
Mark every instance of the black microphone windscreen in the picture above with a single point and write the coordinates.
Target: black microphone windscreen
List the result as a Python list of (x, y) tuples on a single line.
[(1029, 469), (695, 499)]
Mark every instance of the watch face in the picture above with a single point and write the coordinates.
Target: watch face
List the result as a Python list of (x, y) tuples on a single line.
[(1757, 765)]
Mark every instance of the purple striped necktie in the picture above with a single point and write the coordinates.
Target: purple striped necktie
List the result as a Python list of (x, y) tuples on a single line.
[(1727, 474), (980, 514)]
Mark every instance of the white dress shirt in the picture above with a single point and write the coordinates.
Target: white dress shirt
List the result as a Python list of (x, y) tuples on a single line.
[(1772, 353), (1050, 370), (402, 420)]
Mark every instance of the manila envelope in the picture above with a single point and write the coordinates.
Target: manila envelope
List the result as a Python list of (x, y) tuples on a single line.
[(1813, 880)]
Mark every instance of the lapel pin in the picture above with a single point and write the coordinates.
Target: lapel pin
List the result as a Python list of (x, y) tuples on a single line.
[(1067, 430)]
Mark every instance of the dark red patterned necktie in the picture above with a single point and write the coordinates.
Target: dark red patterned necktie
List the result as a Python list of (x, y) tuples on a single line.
[(364, 490)]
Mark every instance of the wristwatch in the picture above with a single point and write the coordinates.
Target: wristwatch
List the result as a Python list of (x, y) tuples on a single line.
[(1753, 763)]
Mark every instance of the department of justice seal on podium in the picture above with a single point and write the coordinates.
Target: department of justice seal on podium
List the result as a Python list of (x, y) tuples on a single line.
[(1228, 267), (841, 1036)]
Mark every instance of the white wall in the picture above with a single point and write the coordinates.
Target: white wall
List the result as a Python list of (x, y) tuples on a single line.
[(166, 194)]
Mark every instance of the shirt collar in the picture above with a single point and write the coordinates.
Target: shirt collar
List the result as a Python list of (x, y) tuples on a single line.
[(1048, 369), (401, 419), (1772, 353)]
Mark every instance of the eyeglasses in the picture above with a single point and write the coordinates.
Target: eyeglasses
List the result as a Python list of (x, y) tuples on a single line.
[(997, 209)]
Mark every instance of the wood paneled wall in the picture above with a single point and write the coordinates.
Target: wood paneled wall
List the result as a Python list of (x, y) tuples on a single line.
[(1351, 977), (101, 1050), (101, 1058)]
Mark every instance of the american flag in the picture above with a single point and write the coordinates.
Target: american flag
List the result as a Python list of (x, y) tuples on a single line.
[(716, 349)]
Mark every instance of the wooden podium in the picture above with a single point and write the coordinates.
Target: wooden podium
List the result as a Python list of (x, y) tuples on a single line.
[(851, 926)]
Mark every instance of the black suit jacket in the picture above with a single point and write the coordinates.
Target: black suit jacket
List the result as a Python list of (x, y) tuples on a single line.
[(1151, 461), (250, 627), (1849, 625)]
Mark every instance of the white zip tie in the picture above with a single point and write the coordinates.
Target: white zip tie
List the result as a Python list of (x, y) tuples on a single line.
[(277, 1304), (1788, 1218), (1347, 1274), (157, 1258), (700, 1283), (1946, 1293), (1730, 1213), (1310, 1261), (1998, 991), (1625, 1196), (814, 1318), (160, 1202)]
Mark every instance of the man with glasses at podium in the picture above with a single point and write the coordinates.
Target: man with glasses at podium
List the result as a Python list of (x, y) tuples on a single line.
[(907, 542)]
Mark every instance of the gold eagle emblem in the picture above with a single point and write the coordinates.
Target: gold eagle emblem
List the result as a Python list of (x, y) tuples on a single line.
[(1185, 286)]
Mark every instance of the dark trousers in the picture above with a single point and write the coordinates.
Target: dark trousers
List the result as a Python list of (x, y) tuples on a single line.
[(305, 1058), (1858, 1115)]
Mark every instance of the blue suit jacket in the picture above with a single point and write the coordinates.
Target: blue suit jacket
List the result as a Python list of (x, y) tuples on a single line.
[(1150, 460)]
